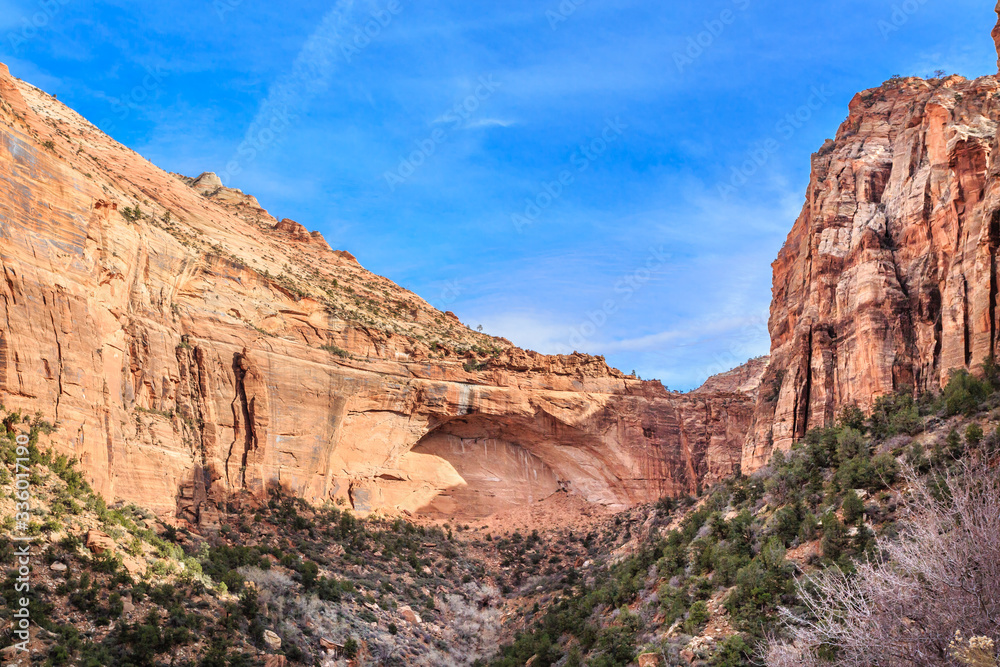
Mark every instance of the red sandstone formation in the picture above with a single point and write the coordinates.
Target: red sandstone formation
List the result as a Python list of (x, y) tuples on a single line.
[(189, 345), (743, 379), (996, 35), (888, 279)]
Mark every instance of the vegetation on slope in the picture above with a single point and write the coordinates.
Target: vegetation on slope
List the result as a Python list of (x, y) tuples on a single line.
[(754, 563), (386, 592), (719, 583)]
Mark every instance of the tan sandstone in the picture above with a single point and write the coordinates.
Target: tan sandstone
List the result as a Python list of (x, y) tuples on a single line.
[(191, 346)]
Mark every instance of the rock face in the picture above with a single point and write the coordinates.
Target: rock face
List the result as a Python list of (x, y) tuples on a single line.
[(189, 346), (889, 277), (743, 379), (996, 35)]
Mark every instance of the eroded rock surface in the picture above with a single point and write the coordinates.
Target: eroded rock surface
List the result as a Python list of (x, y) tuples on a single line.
[(996, 35), (888, 279), (189, 345)]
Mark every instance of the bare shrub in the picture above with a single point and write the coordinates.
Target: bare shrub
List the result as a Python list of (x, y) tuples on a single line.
[(939, 578), (786, 655), (470, 624)]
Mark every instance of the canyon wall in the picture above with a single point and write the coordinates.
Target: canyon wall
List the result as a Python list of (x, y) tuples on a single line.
[(188, 345), (888, 279)]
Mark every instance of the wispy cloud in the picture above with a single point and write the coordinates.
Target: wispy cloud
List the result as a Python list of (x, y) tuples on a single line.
[(314, 66), (693, 333), (531, 330), (309, 76), (489, 122)]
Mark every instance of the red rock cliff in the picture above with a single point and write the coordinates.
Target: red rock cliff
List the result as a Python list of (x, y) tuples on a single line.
[(889, 277), (190, 345)]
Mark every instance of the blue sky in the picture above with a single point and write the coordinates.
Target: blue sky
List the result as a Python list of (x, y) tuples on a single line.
[(556, 171)]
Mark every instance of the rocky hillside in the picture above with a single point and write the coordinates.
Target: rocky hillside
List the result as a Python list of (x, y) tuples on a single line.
[(888, 279), (188, 345)]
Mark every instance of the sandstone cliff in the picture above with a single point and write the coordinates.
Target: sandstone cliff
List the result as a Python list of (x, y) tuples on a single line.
[(190, 345), (888, 279), (996, 35), (743, 379)]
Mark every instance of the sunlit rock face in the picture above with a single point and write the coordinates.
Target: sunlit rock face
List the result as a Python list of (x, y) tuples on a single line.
[(888, 280), (189, 345), (996, 35)]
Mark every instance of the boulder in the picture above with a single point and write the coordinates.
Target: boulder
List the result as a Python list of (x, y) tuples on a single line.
[(207, 183), (98, 542), (272, 640), (410, 616), (128, 607)]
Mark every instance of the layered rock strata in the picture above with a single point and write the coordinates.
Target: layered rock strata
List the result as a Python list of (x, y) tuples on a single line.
[(190, 346), (888, 279)]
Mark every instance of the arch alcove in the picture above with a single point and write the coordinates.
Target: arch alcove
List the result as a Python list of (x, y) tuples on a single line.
[(509, 462)]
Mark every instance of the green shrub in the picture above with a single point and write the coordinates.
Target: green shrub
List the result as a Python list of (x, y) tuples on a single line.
[(786, 522), (973, 435), (733, 652), (760, 587), (851, 444), (894, 414), (697, 618), (852, 417), (964, 394), (834, 537), (336, 351), (617, 643), (884, 472), (132, 214), (853, 508), (991, 372), (953, 444), (916, 458)]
